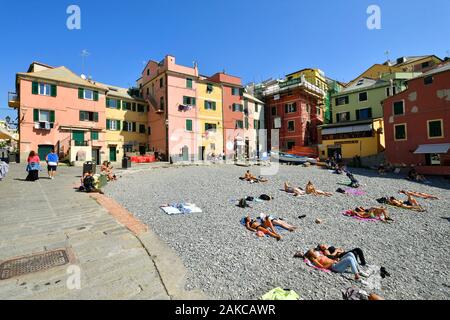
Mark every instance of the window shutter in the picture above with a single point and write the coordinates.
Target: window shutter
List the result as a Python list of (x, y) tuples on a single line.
[(108, 124), (119, 104), (81, 116), (214, 106), (53, 90), (95, 95), (52, 116), (357, 114), (133, 107), (95, 116), (80, 93), (286, 109), (188, 125), (36, 115), (35, 88), (247, 125), (134, 126), (185, 100), (194, 102), (125, 126), (107, 102), (370, 112), (118, 125)]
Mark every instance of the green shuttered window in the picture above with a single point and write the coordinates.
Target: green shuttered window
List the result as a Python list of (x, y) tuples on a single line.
[(35, 88), (188, 125)]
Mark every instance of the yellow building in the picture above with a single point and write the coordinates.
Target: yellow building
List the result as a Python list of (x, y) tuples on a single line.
[(361, 138), (313, 76), (126, 124), (210, 118)]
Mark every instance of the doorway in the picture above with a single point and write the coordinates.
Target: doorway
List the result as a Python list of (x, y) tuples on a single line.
[(332, 150), (113, 154), (201, 153), (96, 156), (43, 151), (185, 152)]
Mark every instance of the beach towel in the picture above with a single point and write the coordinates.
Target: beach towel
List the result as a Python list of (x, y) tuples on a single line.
[(355, 192), (181, 208), (280, 294), (310, 264), (348, 213)]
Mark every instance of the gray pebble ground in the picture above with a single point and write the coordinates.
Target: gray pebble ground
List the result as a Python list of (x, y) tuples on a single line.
[(228, 262)]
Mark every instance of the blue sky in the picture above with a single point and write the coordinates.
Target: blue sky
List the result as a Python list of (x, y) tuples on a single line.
[(253, 39)]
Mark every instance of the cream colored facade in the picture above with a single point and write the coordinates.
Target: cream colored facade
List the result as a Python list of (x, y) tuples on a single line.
[(129, 132), (210, 123)]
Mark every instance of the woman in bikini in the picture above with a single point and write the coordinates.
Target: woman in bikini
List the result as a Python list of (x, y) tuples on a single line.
[(310, 189), (418, 195), (372, 213), (269, 221), (296, 191), (410, 204), (267, 227)]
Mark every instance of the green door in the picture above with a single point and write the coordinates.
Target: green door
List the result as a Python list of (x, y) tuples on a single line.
[(112, 154), (78, 137), (43, 151)]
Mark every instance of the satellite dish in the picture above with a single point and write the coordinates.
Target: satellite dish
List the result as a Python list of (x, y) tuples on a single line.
[(83, 77)]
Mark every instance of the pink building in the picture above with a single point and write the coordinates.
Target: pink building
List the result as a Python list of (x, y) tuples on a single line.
[(58, 109), (417, 123), (236, 121), (170, 89)]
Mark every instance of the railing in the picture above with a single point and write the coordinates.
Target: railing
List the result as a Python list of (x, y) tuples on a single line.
[(12, 96), (274, 89), (80, 143)]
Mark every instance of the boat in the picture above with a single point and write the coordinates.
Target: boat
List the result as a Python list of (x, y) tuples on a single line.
[(286, 157)]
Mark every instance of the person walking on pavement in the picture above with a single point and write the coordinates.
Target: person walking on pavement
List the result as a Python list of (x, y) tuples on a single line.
[(33, 166), (52, 163)]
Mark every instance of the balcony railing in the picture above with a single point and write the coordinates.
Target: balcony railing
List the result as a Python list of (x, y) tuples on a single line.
[(76, 143), (300, 82)]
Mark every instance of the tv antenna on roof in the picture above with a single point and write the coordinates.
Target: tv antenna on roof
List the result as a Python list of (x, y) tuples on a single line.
[(387, 54), (84, 55)]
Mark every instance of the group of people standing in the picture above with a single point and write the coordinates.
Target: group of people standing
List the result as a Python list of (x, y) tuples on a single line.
[(34, 165)]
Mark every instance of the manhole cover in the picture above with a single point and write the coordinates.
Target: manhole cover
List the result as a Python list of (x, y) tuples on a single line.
[(33, 263)]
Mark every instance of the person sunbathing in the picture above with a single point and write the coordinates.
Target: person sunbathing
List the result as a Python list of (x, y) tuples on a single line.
[(410, 204), (333, 253), (296, 191), (248, 176), (268, 221), (349, 260), (310, 189), (255, 226), (372, 213), (419, 195), (106, 169)]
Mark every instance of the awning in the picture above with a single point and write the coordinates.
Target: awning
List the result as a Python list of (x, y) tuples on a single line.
[(349, 129), (433, 148)]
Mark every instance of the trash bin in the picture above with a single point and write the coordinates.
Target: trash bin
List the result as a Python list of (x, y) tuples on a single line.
[(126, 163), (12, 157), (89, 166)]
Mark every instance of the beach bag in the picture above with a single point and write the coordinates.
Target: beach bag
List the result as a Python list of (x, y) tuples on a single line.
[(265, 197), (383, 200), (340, 190), (243, 204), (250, 199)]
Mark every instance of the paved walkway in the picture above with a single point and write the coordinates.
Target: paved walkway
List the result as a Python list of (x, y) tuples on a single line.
[(119, 258)]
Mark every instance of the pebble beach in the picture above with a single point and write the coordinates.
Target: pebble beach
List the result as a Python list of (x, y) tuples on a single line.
[(228, 262)]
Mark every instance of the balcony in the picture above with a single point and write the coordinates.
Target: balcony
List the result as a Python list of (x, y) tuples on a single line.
[(75, 143), (293, 84), (13, 100)]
